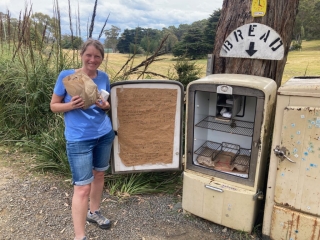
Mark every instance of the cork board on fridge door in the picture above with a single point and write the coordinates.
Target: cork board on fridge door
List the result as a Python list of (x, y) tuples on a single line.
[(146, 118)]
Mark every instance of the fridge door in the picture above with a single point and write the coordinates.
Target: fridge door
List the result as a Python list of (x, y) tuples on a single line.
[(221, 203), (147, 118), (292, 200), (297, 178)]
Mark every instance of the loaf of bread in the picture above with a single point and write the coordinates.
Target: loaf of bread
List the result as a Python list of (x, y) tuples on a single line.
[(206, 161), (241, 163)]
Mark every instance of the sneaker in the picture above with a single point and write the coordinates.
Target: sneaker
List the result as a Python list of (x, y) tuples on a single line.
[(97, 217)]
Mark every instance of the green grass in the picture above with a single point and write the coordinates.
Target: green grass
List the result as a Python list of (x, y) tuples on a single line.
[(303, 63), (143, 183)]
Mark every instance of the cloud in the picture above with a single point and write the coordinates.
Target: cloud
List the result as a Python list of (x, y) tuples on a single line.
[(125, 14), (136, 4)]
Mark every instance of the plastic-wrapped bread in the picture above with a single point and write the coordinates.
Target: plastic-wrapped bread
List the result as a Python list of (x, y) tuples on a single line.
[(223, 110), (241, 163), (227, 114), (206, 161)]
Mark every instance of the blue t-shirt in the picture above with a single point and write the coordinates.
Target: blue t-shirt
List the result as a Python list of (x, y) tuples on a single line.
[(86, 124)]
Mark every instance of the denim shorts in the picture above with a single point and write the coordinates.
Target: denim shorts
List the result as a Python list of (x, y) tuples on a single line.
[(84, 156)]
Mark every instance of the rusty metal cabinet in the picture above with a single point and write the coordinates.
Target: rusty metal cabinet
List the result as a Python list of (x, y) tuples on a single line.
[(292, 209)]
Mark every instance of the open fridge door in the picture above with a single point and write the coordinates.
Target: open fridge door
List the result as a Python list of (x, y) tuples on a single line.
[(147, 118)]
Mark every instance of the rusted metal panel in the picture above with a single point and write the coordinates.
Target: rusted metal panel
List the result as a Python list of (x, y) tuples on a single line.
[(292, 225)]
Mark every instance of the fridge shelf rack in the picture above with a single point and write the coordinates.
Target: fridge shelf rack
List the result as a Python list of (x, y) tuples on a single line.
[(208, 149), (214, 150), (228, 155), (243, 158), (230, 126)]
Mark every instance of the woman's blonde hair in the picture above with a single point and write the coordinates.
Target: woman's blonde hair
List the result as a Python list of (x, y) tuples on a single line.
[(97, 44)]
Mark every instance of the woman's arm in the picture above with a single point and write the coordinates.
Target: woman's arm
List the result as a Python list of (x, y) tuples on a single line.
[(56, 104)]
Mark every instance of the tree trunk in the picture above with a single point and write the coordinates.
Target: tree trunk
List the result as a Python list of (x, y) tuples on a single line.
[(280, 16)]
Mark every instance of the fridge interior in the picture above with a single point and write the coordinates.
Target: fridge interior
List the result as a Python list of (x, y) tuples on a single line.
[(223, 132)]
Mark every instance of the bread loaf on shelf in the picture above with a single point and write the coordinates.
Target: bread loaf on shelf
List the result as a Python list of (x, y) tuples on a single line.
[(206, 161)]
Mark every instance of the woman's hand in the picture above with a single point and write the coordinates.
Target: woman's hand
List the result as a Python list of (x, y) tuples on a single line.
[(104, 105), (76, 102)]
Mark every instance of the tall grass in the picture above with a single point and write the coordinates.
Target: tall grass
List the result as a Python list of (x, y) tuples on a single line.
[(29, 64), (51, 155)]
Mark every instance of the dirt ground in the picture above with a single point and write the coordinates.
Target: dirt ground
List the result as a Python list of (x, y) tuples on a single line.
[(38, 206)]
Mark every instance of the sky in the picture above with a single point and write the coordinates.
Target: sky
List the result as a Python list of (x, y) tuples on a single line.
[(124, 14)]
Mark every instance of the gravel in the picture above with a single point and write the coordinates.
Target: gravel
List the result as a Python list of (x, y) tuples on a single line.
[(38, 206)]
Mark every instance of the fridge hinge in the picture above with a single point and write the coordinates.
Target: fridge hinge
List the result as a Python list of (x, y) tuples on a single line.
[(257, 144)]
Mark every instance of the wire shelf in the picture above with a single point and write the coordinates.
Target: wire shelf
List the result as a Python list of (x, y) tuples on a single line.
[(230, 126), (208, 149), (225, 156), (243, 157), (214, 149)]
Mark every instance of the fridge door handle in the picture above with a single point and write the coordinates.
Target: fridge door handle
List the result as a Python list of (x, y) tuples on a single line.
[(281, 153), (214, 188)]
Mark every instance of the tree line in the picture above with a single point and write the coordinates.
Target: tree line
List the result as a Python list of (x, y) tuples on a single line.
[(190, 40), (307, 22)]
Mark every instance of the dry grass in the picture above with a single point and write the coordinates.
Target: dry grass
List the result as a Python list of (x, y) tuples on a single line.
[(165, 66), (299, 63), (303, 63)]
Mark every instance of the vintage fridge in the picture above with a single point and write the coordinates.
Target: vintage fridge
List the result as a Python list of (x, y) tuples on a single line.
[(227, 131), (292, 208)]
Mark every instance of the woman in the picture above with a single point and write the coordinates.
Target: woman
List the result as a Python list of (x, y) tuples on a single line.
[(89, 138)]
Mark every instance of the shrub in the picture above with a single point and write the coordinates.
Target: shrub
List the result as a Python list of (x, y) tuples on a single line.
[(187, 71)]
